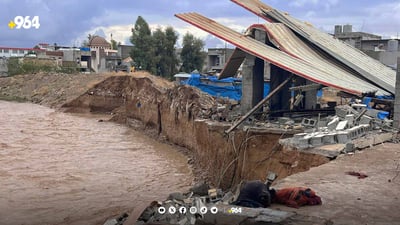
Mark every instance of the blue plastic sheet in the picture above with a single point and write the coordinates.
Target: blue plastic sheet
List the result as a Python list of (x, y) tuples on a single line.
[(232, 89)]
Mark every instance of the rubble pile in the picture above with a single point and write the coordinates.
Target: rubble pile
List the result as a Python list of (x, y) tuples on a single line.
[(347, 125)]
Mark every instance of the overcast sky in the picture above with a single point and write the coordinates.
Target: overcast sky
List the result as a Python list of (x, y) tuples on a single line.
[(68, 22)]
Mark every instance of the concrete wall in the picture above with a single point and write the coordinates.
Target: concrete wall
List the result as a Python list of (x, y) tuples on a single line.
[(387, 58)]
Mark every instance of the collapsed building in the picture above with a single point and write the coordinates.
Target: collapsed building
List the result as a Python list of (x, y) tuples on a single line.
[(301, 62)]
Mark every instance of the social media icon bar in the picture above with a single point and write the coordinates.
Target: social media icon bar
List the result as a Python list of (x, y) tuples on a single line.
[(203, 210), (172, 210), (182, 210), (161, 210), (214, 210), (193, 210)]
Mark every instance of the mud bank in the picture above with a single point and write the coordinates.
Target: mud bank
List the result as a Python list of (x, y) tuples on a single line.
[(181, 115)]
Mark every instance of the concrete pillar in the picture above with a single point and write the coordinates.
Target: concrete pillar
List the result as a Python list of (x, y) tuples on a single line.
[(247, 83), (396, 114), (310, 97), (253, 78)]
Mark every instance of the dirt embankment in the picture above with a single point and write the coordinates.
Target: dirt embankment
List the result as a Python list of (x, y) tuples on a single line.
[(52, 90), (181, 115)]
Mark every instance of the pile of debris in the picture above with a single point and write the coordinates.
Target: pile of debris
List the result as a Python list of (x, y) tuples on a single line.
[(246, 204), (349, 124)]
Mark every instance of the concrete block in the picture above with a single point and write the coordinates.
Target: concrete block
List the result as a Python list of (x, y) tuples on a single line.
[(353, 133), (316, 140), (304, 143), (350, 147), (333, 123), (365, 119), (342, 137), (329, 139), (341, 111), (322, 123), (342, 125), (330, 151), (308, 122), (350, 120)]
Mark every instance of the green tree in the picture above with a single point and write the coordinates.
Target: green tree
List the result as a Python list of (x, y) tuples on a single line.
[(143, 46), (85, 43), (165, 57), (192, 55), (170, 56), (114, 44)]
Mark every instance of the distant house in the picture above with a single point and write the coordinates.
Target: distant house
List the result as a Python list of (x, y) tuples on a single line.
[(103, 57), (384, 50), (124, 51), (16, 52)]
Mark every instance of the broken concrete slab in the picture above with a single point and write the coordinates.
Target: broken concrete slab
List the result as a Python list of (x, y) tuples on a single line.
[(372, 139), (329, 151)]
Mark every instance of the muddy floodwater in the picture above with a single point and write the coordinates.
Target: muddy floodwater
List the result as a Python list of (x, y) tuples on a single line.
[(58, 168)]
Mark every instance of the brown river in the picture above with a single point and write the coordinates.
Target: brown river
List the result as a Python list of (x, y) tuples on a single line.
[(58, 168)]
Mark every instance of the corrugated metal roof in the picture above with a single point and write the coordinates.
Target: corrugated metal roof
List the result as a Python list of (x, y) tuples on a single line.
[(371, 69), (287, 41), (233, 63), (274, 56)]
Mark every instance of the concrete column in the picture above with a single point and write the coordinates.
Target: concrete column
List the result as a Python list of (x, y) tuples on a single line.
[(396, 116), (253, 78), (310, 97), (247, 84)]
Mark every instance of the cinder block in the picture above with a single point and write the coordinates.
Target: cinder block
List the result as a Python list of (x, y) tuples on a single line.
[(342, 125), (341, 111), (333, 123), (365, 119), (350, 120), (316, 140), (342, 137), (304, 143), (350, 147), (329, 139), (308, 122)]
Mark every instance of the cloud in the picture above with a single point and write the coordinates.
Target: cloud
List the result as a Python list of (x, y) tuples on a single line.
[(301, 3)]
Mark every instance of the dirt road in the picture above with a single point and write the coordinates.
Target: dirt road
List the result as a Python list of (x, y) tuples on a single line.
[(349, 200)]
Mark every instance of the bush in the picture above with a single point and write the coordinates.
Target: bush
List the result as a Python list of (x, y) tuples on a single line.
[(31, 66)]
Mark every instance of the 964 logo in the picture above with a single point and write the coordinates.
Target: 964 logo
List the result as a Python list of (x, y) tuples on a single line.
[(24, 22)]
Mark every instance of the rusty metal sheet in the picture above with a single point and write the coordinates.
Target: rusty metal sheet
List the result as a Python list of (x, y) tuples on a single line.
[(277, 57), (370, 69), (285, 40)]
